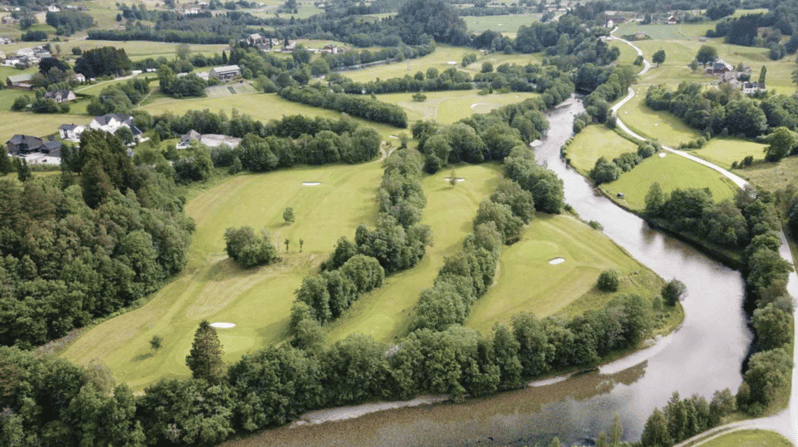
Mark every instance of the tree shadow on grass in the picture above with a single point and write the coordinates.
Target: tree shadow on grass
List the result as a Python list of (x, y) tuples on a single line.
[(141, 357)]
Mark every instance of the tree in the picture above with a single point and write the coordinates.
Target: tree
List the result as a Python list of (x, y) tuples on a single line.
[(287, 243), (655, 432), (301, 243), (616, 431), (23, 170), (773, 327), (762, 74), (706, 54), (155, 342), (673, 292), (693, 65), (608, 281), (487, 67), (288, 215), (205, 357), (658, 57), (655, 199), (6, 165), (183, 51), (782, 141)]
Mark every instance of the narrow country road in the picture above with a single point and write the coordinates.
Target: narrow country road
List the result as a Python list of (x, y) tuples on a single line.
[(786, 422)]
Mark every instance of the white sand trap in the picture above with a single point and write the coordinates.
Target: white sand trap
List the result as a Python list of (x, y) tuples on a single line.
[(536, 143), (557, 261), (223, 325), (452, 63), (662, 155), (456, 179), (311, 183), (478, 104)]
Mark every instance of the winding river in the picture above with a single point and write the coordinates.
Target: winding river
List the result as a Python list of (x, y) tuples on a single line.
[(705, 354)]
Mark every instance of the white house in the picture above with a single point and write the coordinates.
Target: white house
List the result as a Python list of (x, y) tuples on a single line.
[(753, 87), (53, 8), (112, 122), (60, 95), (71, 132), (225, 73)]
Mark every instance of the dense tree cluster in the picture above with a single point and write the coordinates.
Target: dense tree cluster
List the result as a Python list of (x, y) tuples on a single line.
[(248, 249), (85, 252), (431, 81), (180, 86), (69, 22), (103, 61), (762, 30), (606, 85), (681, 418), (608, 171), (366, 108), (119, 98)]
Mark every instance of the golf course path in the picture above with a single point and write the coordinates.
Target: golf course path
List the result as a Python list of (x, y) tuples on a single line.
[(786, 422)]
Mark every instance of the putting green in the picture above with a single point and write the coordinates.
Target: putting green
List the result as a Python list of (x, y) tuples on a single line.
[(212, 287), (671, 171), (528, 282)]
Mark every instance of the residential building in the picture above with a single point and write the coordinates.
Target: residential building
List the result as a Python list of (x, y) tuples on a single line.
[(34, 150), (53, 8), (60, 95), (753, 87), (719, 67), (254, 39), (225, 73), (24, 81), (8, 20), (112, 122), (71, 131)]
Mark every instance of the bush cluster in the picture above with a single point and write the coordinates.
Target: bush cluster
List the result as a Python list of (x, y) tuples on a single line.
[(366, 108)]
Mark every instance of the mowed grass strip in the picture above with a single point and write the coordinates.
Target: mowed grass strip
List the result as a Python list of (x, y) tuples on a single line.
[(452, 106), (502, 24), (594, 142), (671, 172), (212, 287), (725, 151), (655, 125), (527, 282), (385, 314), (749, 438)]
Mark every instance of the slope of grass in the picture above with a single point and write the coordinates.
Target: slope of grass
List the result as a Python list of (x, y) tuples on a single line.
[(594, 142), (773, 176), (385, 313), (725, 151), (528, 283), (671, 171), (661, 126), (212, 287), (749, 438)]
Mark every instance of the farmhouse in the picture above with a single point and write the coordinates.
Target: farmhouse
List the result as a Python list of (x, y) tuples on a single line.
[(60, 95), (332, 49), (753, 87), (20, 81), (254, 39), (112, 122), (225, 73), (34, 149), (719, 67)]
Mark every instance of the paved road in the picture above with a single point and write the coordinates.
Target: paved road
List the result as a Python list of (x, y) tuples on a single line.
[(786, 422)]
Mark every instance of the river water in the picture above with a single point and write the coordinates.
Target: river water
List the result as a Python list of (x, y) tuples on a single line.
[(704, 355)]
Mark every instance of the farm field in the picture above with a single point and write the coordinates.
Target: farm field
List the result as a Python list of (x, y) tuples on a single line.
[(385, 313), (212, 287), (772, 176), (259, 106), (671, 171), (749, 438), (725, 151), (661, 126), (527, 282), (452, 106), (594, 142)]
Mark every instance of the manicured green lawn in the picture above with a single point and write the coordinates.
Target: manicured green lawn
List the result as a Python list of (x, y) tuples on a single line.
[(661, 126), (749, 438), (527, 282), (212, 287), (385, 313), (593, 142), (725, 151), (671, 171), (449, 107), (682, 31), (502, 24), (35, 124)]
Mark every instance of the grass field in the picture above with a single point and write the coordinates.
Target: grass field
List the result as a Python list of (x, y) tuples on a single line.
[(259, 106), (212, 287), (671, 171), (682, 31), (528, 283), (773, 176), (452, 106), (594, 142), (725, 151), (661, 126), (36, 124), (384, 314), (749, 438), (502, 24)]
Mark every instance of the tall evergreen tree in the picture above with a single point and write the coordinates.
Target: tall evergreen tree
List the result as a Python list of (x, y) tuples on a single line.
[(5, 161), (205, 358)]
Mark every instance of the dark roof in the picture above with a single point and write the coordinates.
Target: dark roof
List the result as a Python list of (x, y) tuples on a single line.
[(25, 139), (53, 148), (52, 94), (67, 126)]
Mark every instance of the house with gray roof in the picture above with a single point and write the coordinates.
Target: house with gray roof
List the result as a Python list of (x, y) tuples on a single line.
[(60, 95), (225, 73), (24, 81)]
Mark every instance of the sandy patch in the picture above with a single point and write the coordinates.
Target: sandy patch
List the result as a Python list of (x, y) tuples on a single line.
[(478, 104), (662, 155), (311, 183), (220, 325), (456, 179), (556, 261), (341, 413), (536, 143), (452, 63)]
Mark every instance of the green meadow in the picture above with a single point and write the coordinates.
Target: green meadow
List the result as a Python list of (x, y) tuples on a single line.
[(594, 142), (528, 282), (772, 176), (212, 287), (748, 438), (671, 171), (502, 24), (449, 107), (661, 126), (725, 151)]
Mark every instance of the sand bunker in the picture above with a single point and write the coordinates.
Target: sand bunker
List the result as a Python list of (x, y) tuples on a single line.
[(456, 179), (478, 104), (452, 62), (557, 261), (223, 325), (311, 183), (662, 155)]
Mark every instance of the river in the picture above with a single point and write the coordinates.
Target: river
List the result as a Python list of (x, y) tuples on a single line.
[(704, 355)]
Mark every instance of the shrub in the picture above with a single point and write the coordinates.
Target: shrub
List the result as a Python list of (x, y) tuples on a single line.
[(608, 281)]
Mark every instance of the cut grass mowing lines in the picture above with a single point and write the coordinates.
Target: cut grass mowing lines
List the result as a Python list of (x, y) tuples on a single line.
[(593, 142), (725, 151), (527, 282), (385, 313), (212, 287), (671, 171)]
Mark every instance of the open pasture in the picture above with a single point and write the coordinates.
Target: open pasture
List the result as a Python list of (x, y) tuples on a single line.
[(259, 106), (682, 31), (212, 287), (502, 24), (35, 124), (655, 125), (449, 107), (594, 142), (385, 313), (773, 176), (528, 282), (725, 151), (748, 438), (671, 172)]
